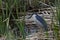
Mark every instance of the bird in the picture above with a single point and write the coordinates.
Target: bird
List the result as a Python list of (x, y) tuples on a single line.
[(39, 21)]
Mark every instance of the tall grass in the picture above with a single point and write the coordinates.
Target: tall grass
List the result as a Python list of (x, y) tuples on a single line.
[(57, 25), (4, 25)]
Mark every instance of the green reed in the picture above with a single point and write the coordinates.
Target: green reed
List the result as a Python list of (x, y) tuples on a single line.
[(57, 25), (5, 18)]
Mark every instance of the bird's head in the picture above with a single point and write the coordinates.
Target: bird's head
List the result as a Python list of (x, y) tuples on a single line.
[(33, 15)]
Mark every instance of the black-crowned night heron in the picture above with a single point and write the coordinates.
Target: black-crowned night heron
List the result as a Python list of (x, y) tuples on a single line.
[(39, 21)]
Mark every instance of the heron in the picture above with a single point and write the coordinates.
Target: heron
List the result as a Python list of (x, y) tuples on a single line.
[(39, 21)]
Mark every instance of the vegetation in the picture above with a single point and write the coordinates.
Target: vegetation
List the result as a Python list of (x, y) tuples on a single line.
[(13, 7), (57, 26)]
